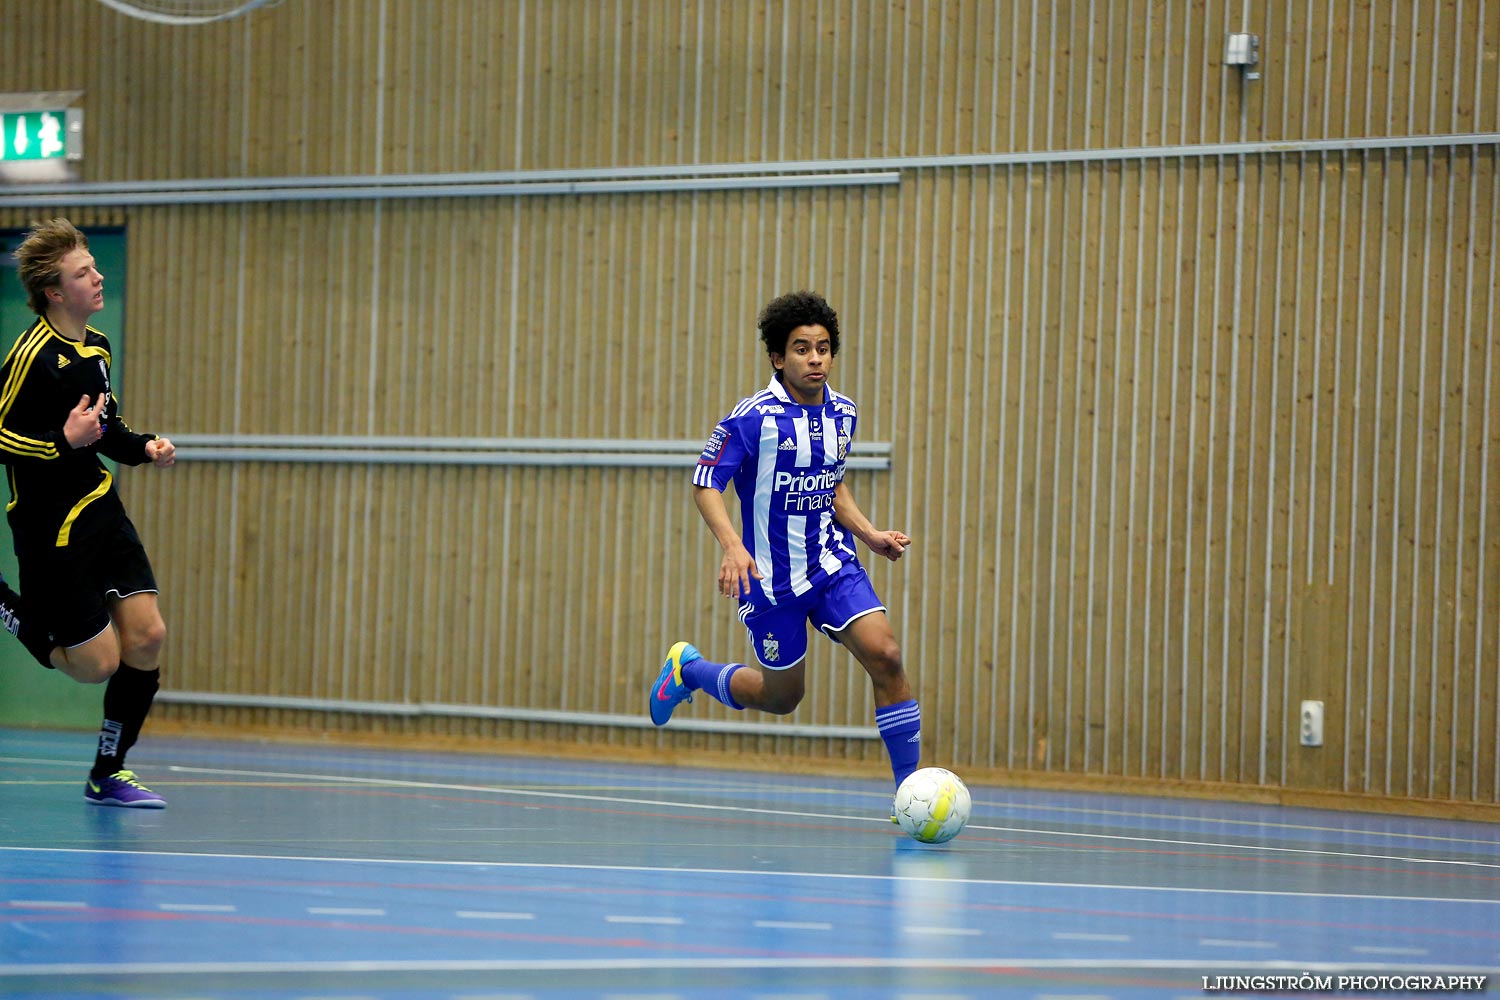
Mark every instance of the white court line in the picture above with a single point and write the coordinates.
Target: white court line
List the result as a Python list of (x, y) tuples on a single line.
[(625, 918), (1262, 824), (758, 875), (49, 904), (784, 814), (492, 915), (708, 784), (1233, 943), (196, 907), (346, 911), (1370, 949), (688, 964)]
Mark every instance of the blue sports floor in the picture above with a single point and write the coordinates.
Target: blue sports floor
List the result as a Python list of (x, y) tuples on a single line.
[(283, 871)]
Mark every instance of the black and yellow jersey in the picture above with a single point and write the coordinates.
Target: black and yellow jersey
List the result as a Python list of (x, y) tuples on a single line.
[(58, 493)]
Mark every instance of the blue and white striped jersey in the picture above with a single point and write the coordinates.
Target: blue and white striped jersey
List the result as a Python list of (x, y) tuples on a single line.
[(785, 460)]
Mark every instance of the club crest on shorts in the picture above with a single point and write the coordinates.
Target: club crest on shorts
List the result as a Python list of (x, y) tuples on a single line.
[(771, 648)]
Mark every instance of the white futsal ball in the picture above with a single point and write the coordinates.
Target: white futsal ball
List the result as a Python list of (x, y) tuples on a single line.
[(932, 805)]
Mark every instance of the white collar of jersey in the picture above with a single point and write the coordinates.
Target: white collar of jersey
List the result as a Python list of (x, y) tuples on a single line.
[(777, 389)]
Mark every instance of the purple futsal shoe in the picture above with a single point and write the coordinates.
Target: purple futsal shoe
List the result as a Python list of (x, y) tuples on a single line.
[(122, 789)]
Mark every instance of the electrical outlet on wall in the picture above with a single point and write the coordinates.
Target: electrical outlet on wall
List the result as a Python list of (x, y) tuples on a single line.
[(1312, 723)]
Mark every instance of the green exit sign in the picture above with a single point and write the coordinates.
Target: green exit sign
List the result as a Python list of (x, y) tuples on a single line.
[(41, 135)]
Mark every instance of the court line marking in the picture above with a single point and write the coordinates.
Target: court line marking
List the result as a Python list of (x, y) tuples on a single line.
[(626, 918), (750, 873), (615, 964), (346, 911), (709, 783), (492, 915), (784, 814), (1370, 949), (1264, 823)]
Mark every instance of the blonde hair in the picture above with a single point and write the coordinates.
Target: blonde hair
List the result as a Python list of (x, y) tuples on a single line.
[(39, 258)]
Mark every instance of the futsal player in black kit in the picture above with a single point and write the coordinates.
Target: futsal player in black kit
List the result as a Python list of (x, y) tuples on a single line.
[(90, 609)]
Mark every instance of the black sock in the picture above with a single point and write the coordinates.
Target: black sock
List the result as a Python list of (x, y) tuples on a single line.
[(16, 619), (127, 702)]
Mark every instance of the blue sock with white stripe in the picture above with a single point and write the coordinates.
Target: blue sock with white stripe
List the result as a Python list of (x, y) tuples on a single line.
[(901, 728), (712, 678)]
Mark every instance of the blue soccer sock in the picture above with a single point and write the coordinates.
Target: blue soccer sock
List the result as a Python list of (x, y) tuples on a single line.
[(901, 728), (712, 678)]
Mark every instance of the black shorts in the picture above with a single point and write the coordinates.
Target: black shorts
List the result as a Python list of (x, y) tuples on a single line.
[(68, 588)]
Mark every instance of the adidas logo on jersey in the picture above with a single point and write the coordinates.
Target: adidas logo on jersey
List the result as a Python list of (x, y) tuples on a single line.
[(788, 445), (62, 362)]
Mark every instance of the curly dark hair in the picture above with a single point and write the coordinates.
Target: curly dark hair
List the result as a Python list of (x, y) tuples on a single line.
[(785, 313)]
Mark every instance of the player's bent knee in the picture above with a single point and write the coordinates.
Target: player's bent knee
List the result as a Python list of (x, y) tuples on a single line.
[(782, 703), (884, 661), (141, 645), (782, 694)]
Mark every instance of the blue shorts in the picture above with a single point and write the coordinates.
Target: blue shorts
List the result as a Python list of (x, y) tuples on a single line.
[(778, 632)]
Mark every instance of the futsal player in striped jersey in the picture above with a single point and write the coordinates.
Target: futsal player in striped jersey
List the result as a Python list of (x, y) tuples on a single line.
[(784, 449), (91, 595)]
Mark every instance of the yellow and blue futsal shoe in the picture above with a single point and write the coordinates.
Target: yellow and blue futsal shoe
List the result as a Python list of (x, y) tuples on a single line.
[(669, 691)]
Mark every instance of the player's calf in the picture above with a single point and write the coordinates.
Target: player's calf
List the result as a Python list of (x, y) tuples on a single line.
[(684, 672)]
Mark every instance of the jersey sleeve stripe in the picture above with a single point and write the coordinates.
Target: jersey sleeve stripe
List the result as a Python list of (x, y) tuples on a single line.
[(10, 441), (745, 404), (22, 342), (20, 360), (18, 445)]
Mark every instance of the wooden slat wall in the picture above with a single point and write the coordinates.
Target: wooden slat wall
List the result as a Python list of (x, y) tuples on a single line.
[(1183, 440)]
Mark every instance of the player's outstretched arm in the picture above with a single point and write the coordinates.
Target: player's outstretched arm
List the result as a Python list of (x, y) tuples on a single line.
[(737, 566), (891, 544)]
